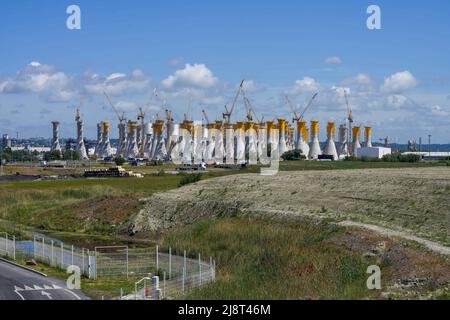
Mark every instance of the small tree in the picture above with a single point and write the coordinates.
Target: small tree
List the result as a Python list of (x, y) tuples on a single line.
[(119, 161), (72, 155), (52, 155), (292, 155)]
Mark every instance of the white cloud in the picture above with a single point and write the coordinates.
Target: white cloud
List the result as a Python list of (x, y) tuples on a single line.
[(192, 76), (306, 84), (333, 60), (399, 82), (42, 79), (116, 84)]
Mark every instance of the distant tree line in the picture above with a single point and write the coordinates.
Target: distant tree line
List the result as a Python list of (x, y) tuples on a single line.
[(9, 155)]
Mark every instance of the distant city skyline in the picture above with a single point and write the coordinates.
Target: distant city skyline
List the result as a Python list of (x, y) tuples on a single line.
[(398, 78)]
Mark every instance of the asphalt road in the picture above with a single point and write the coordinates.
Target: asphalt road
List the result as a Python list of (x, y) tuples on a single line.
[(19, 284)]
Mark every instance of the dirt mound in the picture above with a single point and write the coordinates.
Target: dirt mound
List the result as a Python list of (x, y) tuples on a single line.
[(416, 200)]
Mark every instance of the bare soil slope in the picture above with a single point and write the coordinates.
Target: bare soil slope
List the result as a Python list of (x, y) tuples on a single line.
[(415, 200)]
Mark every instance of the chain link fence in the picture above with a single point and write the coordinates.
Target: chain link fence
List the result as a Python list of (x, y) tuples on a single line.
[(52, 252), (175, 274)]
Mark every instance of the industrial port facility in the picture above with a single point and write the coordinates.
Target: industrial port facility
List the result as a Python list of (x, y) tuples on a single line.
[(249, 141)]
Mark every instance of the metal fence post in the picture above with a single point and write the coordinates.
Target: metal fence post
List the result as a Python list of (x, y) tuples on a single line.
[(62, 255), (43, 248), (72, 255), (214, 270), (34, 247), (145, 289), (170, 263), (6, 244), (127, 262), (184, 265), (164, 285), (184, 276), (199, 270), (157, 259), (14, 247), (53, 250), (82, 260)]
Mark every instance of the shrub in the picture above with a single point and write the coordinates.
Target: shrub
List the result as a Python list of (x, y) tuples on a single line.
[(189, 178), (397, 157), (72, 155), (292, 155), (52, 155), (119, 161)]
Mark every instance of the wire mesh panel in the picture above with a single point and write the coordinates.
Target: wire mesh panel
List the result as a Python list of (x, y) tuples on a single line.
[(112, 262)]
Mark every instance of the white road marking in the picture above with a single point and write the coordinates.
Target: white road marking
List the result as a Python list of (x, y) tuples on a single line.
[(37, 288), (46, 287), (76, 296), (16, 288), (21, 296), (44, 293), (28, 288)]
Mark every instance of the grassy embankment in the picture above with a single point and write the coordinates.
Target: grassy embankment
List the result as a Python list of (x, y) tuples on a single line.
[(262, 259)]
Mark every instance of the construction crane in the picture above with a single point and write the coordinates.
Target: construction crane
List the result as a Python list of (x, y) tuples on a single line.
[(296, 117), (141, 117), (385, 141), (120, 116), (78, 116), (227, 114), (308, 105), (350, 120), (189, 108), (206, 116), (249, 109), (169, 115)]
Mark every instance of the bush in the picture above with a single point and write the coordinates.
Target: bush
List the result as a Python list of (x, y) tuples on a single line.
[(72, 155), (52, 155), (189, 178), (119, 161), (410, 158), (397, 157), (292, 155)]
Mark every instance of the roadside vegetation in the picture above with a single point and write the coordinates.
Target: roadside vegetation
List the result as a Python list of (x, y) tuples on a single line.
[(267, 259)]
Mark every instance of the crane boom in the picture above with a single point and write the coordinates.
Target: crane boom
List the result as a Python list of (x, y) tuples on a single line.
[(296, 118), (206, 116), (119, 116), (248, 108), (227, 114), (349, 109), (309, 104)]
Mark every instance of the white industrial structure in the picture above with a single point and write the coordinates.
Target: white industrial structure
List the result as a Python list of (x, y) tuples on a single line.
[(330, 148), (55, 140), (314, 148), (81, 148)]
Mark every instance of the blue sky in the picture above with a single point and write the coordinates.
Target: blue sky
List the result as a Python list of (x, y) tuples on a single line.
[(398, 77)]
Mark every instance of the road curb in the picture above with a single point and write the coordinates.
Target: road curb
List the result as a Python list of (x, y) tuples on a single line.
[(23, 267)]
